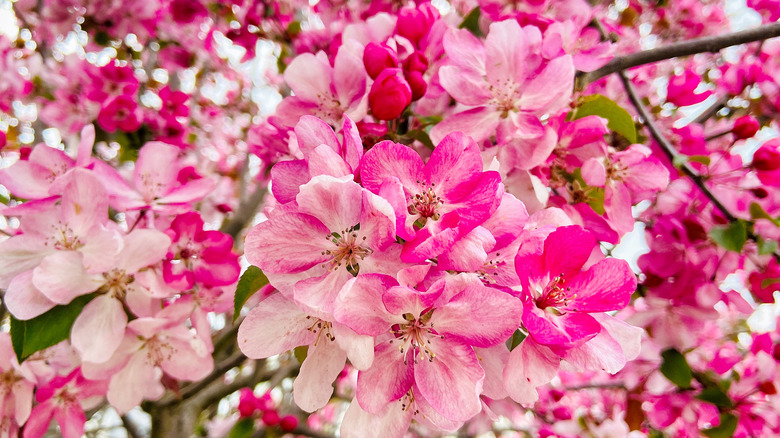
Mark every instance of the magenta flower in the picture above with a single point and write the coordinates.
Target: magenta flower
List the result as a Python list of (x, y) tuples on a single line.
[(390, 94), (426, 339), (64, 398), (120, 113), (559, 294), (435, 203), (198, 255)]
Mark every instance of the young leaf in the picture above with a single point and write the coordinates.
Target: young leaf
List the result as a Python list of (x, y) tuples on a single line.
[(516, 339), (471, 22), (732, 236), (250, 282), (243, 428), (676, 368), (51, 328), (726, 428), (618, 119), (716, 396)]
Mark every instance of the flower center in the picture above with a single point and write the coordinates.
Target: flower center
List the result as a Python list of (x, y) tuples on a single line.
[(555, 295), (415, 336), (350, 249), (116, 283), (426, 203), (321, 328)]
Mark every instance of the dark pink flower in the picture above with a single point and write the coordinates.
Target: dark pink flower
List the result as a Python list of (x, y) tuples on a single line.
[(120, 113), (198, 255), (559, 294)]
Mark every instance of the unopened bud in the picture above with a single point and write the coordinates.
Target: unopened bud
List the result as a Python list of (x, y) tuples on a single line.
[(417, 84), (377, 57), (416, 62), (414, 23), (767, 157), (389, 94), (745, 127)]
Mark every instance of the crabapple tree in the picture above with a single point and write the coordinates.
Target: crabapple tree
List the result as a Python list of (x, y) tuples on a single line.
[(236, 218)]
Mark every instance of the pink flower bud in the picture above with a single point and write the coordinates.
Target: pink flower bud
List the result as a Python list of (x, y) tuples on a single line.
[(377, 57), (247, 403), (270, 418), (416, 62), (187, 11), (766, 158), (413, 24), (288, 423), (417, 84), (2, 140), (389, 94), (745, 127)]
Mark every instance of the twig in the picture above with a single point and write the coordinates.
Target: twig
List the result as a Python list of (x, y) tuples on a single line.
[(712, 110), (132, 429), (245, 212), (678, 160), (675, 157), (682, 48)]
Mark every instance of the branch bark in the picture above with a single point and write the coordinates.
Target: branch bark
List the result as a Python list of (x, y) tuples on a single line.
[(245, 212), (678, 160), (682, 48)]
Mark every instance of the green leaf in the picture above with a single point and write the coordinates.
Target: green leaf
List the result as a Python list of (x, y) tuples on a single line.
[(732, 236), (676, 368), (422, 137), (766, 246), (716, 396), (243, 428), (726, 428), (51, 328), (758, 212), (471, 22), (301, 352), (703, 159), (250, 282), (618, 119), (516, 339)]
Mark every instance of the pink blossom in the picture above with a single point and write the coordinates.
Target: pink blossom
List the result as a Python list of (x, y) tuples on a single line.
[(505, 82), (337, 230), (156, 185), (435, 203), (64, 398), (559, 294), (326, 92), (432, 333), (152, 346), (198, 255), (277, 325)]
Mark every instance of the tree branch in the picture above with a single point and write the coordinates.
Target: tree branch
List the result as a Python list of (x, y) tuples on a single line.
[(675, 157), (678, 160), (682, 48), (245, 212), (133, 431)]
